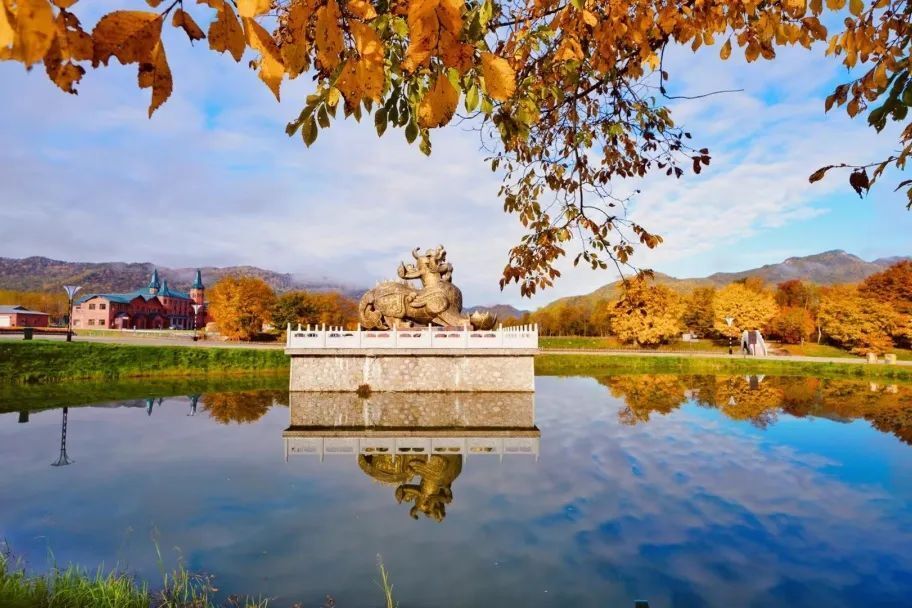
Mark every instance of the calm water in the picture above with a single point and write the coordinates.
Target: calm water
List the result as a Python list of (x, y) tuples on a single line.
[(686, 491)]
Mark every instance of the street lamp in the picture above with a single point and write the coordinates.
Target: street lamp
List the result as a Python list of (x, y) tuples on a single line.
[(71, 293), (729, 321), (196, 311)]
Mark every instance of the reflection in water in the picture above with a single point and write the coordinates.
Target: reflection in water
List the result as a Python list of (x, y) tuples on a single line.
[(760, 399), (401, 438), (63, 459)]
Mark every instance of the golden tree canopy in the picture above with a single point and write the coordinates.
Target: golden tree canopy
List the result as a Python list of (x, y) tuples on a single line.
[(570, 95), (240, 306), (647, 314), (750, 309)]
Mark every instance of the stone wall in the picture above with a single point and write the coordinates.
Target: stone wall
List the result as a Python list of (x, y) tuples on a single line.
[(412, 371), (414, 411)]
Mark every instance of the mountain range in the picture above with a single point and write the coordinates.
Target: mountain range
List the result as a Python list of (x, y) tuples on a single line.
[(45, 274), (827, 268)]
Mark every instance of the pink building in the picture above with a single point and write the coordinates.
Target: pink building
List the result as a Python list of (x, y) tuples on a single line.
[(156, 306)]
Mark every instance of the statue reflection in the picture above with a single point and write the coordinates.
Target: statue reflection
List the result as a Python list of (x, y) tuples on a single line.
[(435, 475), (414, 442)]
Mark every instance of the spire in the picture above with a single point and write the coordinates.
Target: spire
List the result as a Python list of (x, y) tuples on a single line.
[(164, 288), (154, 283), (198, 281)]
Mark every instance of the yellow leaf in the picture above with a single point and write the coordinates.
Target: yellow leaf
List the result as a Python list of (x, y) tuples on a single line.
[(569, 49), (64, 3), (252, 8), (362, 9), (71, 41), (33, 24), (424, 31), (183, 19), (365, 76), (835, 5), (726, 50), (7, 36), (328, 36), (590, 19), (225, 33), (439, 104), (856, 7), (500, 79), (271, 68), (130, 36), (216, 4), (62, 72), (153, 3), (156, 74)]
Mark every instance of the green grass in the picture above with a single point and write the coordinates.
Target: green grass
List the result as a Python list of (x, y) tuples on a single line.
[(811, 349), (612, 343), (46, 361), (75, 587), (594, 364)]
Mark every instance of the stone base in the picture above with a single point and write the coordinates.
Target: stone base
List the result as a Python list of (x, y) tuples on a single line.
[(383, 370)]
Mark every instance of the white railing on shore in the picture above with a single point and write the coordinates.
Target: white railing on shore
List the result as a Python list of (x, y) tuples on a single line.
[(519, 337)]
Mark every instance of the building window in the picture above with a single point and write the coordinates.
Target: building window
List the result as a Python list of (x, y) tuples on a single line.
[(91, 321), (91, 307), (76, 323), (101, 321), (101, 306)]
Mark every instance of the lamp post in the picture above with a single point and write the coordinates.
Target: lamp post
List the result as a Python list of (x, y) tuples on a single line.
[(729, 321), (63, 459), (71, 293), (196, 310)]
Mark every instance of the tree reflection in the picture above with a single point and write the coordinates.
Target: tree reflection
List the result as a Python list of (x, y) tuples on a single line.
[(435, 474), (241, 406), (646, 395), (761, 399)]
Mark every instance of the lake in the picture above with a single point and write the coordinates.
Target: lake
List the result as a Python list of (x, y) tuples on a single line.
[(683, 491)]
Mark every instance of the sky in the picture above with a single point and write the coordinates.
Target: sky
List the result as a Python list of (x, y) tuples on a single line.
[(212, 179)]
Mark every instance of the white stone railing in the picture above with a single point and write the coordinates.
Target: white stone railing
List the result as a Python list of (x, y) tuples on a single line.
[(518, 337), (412, 445)]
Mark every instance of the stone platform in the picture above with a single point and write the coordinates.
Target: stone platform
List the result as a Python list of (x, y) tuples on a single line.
[(412, 370)]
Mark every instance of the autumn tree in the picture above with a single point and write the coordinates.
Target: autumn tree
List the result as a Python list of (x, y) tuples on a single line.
[(314, 308), (699, 314), (240, 306), (792, 325), (857, 323), (893, 285), (570, 97), (750, 309), (647, 314)]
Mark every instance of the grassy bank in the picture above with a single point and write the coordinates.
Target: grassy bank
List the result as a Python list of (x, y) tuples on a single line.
[(75, 587), (46, 361), (593, 365)]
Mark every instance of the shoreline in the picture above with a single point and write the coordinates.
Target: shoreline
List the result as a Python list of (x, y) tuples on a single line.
[(52, 362)]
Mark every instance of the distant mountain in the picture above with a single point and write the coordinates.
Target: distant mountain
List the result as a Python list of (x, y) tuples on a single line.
[(503, 311), (44, 274), (827, 268)]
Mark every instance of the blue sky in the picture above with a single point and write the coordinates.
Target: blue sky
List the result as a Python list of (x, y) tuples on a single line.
[(212, 178)]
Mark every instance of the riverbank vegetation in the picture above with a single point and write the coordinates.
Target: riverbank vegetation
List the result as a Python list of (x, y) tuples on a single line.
[(873, 316), (53, 361)]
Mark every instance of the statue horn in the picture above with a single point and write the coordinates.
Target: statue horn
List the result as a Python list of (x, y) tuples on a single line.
[(416, 253)]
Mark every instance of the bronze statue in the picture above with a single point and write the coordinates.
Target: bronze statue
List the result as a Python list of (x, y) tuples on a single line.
[(436, 474), (397, 304)]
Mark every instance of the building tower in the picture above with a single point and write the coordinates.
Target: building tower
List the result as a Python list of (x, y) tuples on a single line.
[(198, 295), (154, 283), (197, 290)]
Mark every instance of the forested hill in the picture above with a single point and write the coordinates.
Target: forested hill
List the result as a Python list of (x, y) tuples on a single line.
[(44, 274), (827, 268)]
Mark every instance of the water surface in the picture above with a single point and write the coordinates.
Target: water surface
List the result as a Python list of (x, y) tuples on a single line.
[(686, 491)]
